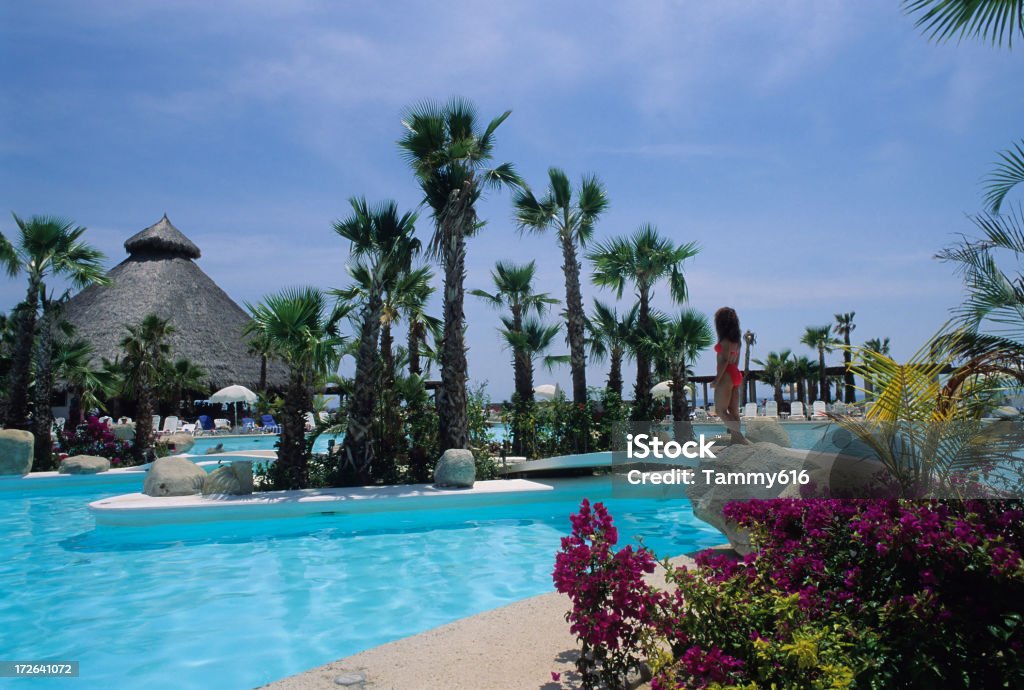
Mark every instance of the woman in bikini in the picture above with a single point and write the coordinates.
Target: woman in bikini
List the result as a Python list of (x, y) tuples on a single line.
[(728, 378)]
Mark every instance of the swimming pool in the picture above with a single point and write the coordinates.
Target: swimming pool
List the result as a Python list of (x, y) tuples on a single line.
[(239, 604)]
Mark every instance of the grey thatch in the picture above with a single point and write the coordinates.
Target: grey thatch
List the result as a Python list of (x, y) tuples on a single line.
[(160, 277)]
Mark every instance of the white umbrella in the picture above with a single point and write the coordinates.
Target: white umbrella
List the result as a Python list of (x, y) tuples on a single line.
[(663, 390), (547, 391), (235, 394)]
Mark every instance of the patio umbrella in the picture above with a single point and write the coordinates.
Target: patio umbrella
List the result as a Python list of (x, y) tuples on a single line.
[(546, 391), (234, 394), (663, 390)]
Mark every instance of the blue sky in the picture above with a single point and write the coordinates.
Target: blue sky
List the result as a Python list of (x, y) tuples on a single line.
[(819, 152)]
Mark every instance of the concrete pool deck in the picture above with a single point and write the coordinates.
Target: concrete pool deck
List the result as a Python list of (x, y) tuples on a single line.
[(515, 647)]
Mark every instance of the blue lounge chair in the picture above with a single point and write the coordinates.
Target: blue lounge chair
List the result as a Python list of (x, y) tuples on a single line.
[(248, 424), (205, 423), (269, 425)]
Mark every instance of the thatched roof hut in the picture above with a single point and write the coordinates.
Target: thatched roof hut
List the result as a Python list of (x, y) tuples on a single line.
[(160, 277)]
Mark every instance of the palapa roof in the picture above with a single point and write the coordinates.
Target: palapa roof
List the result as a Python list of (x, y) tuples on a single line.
[(161, 277)]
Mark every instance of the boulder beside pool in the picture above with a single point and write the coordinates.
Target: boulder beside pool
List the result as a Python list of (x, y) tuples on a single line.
[(16, 447), (123, 432), (767, 430), (174, 476), (234, 479), (177, 443), (84, 464), (456, 468)]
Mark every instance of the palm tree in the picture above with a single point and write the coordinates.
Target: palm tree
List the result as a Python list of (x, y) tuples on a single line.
[(72, 363), (448, 154), (749, 339), (942, 20), (303, 332), (1009, 173), (777, 368), (514, 290), (820, 339), (803, 371), (47, 245), (844, 326), (49, 329), (180, 376), (145, 360), (259, 346), (383, 243), (679, 341), (573, 222), (531, 340), (410, 301), (610, 336), (642, 259), (408, 293), (878, 346)]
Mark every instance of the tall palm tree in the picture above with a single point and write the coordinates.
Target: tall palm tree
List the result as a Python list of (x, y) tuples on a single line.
[(610, 336), (820, 339), (573, 222), (50, 328), (879, 346), (777, 369), (449, 155), (410, 302), (181, 376), (803, 371), (145, 360), (679, 341), (530, 341), (45, 246), (514, 290), (749, 339), (844, 327), (642, 260), (408, 292), (303, 332), (258, 346), (72, 363), (383, 243)]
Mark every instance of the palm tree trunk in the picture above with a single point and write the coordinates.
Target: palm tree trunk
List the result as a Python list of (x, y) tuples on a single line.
[(357, 450), (778, 391), (415, 333), (615, 373), (291, 471), (43, 417), (682, 429), (823, 390), (143, 411), (16, 416), (575, 320), (451, 398), (263, 373), (747, 383), (850, 393), (642, 389), (387, 355)]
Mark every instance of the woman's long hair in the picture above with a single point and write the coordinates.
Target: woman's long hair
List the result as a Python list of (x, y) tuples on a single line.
[(727, 324)]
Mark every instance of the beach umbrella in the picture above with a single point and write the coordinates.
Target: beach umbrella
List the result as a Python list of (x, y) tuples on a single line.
[(546, 391), (663, 390), (235, 394)]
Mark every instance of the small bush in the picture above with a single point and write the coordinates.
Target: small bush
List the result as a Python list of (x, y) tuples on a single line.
[(95, 438)]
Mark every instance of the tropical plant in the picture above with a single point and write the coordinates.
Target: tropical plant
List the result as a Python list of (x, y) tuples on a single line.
[(777, 368), (46, 245), (50, 329), (410, 301), (180, 376), (303, 332), (803, 371), (749, 385), (449, 154), (72, 364), (1008, 173), (146, 352), (258, 346), (610, 336), (643, 259), (678, 342), (383, 244), (820, 339), (991, 20), (844, 326), (572, 220), (881, 346)]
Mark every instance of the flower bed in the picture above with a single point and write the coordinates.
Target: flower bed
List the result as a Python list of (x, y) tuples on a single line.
[(838, 593)]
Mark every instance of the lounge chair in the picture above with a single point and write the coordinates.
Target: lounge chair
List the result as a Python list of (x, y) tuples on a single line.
[(749, 411), (819, 410), (221, 425), (269, 425), (248, 424), (170, 425), (700, 415), (771, 409), (156, 424), (189, 428), (310, 421), (204, 424), (324, 417), (106, 420), (796, 411)]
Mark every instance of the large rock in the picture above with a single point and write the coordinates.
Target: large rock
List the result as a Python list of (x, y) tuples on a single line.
[(177, 443), (16, 448), (767, 430), (457, 467), (123, 432), (174, 476), (234, 479), (84, 464)]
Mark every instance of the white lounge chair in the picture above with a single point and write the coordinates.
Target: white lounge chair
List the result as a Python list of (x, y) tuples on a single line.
[(771, 409), (190, 428), (796, 411), (700, 415), (170, 425), (819, 410), (749, 411), (106, 420), (310, 421), (324, 417), (156, 424), (221, 425)]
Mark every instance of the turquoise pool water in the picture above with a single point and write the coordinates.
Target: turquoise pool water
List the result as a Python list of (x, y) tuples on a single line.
[(239, 604)]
